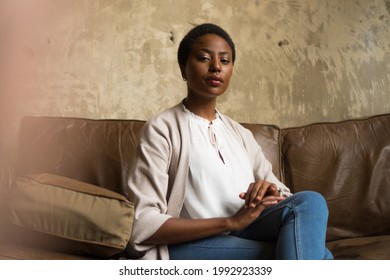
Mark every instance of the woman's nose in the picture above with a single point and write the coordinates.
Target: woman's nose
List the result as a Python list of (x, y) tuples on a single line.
[(215, 66)]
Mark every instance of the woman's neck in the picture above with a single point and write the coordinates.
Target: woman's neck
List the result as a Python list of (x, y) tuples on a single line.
[(201, 108)]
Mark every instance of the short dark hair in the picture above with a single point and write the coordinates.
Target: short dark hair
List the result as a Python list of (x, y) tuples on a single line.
[(199, 31)]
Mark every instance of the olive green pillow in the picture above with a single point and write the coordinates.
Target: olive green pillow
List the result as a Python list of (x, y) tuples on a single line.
[(83, 218)]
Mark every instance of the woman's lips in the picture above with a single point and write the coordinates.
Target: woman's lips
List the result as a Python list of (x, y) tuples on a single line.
[(214, 81)]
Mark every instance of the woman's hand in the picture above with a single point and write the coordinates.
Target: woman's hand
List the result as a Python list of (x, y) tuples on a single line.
[(259, 196), (257, 191), (247, 215)]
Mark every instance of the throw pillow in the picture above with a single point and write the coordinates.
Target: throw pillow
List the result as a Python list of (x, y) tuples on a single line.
[(75, 216)]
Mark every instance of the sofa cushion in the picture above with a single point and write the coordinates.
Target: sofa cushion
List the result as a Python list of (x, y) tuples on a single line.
[(71, 215), (349, 163), (361, 248), (14, 251)]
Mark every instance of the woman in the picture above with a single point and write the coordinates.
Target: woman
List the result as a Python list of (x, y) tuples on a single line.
[(201, 184)]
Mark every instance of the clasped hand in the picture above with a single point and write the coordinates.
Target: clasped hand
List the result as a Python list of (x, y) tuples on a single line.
[(261, 192), (260, 195)]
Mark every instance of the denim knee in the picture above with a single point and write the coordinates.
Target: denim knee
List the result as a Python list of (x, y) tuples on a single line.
[(311, 200)]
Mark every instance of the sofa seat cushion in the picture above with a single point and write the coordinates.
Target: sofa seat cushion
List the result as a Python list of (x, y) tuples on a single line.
[(11, 251), (69, 215), (363, 248)]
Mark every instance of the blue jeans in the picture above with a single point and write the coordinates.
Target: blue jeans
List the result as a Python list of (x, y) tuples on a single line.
[(294, 229)]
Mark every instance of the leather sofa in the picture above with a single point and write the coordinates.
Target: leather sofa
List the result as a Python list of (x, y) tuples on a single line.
[(348, 162)]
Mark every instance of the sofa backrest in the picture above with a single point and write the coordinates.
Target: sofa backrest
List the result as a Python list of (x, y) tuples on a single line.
[(349, 163), (99, 152)]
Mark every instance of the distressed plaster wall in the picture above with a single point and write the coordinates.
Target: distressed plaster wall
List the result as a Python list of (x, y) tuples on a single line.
[(298, 61)]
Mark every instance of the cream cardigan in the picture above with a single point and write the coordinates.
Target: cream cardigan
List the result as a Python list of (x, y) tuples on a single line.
[(159, 171)]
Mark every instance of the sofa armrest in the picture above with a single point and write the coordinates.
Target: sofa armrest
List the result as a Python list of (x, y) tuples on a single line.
[(6, 181), (6, 178)]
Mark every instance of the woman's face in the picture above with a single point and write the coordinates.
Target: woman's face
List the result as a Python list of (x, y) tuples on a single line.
[(209, 67)]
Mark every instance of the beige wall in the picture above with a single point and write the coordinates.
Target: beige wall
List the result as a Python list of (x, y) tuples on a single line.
[(298, 61)]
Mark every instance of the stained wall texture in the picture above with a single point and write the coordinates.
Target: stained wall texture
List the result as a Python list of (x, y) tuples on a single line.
[(298, 61)]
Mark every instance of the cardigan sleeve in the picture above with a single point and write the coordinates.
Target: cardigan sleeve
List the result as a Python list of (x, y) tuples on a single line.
[(148, 186), (157, 179), (262, 168)]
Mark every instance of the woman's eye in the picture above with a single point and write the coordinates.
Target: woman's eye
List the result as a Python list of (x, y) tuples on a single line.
[(225, 61), (204, 58)]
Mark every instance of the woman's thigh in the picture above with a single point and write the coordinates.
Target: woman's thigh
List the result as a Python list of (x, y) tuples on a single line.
[(222, 247), (312, 211)]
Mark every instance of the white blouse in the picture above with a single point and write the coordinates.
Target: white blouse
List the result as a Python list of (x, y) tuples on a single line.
[(219, 170)]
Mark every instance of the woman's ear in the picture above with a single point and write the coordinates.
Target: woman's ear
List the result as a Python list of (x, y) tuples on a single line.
[(183, 74)]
